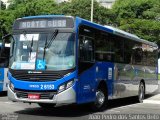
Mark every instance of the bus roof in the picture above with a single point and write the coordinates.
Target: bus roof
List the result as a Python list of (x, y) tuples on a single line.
[(43, 16), (115, 31)]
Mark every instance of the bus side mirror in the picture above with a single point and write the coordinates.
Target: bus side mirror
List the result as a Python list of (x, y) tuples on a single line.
[(4, 40)]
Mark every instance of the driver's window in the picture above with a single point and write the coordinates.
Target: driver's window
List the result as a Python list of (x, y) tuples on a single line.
[(86, 48), (86, 43)]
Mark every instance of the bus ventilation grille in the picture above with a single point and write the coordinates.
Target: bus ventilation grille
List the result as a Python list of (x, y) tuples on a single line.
[(38, 76)]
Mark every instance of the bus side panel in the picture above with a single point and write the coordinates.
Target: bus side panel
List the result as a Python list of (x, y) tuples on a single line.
[(1, 78), (90, 79), (86, 85), (127, 80), (151, 79), (128, 77), (105, 71)]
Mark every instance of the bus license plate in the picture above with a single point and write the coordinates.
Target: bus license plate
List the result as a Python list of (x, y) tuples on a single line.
[(34, 96)]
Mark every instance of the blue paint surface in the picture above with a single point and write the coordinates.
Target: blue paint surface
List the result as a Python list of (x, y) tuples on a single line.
[(1, 78), (25, 85), (1, 74), (90, 79), (1, 87), (80, 21)]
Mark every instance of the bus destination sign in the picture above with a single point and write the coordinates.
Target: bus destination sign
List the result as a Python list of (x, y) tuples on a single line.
[(43, 23)]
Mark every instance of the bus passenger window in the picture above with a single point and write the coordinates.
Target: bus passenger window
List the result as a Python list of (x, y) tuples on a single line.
[(118, 49), (138, 54), (128, 51), (104, 47)]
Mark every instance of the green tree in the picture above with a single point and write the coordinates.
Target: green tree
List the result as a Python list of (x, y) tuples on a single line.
[(14, 3), (32, 7), (6, 21), (82, 8), (140, 17)]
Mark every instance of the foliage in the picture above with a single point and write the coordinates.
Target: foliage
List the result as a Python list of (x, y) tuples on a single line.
[(141, 17), (32, 7), (6, 21), (82, 8)]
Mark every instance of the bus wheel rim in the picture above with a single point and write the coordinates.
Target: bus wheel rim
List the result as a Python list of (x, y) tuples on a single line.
[(100, 98), (141, 93)]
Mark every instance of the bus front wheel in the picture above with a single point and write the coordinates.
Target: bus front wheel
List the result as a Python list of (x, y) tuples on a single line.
[(101, 100), (141, 92)]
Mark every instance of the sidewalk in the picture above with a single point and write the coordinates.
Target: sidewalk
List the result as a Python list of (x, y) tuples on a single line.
[(154, 99)]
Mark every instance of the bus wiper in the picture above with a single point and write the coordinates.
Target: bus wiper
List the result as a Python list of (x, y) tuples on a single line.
[(47, 45), (52, 38), (31, 47)]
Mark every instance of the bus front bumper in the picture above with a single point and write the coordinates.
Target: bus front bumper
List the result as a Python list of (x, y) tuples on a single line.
[(66, 97)]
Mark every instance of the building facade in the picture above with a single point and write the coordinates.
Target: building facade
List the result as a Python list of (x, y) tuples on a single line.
[(106, 3), (6, 2)]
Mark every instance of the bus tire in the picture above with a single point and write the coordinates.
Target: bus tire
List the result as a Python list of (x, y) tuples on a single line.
[(46, 105), (141, 92), (101, 100)]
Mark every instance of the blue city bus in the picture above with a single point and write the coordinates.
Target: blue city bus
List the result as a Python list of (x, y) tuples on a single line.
[(57, 60), (4, 63)]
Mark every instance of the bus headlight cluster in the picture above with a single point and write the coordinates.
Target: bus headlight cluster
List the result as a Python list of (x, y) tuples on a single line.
[(11, 86), (65, 86)]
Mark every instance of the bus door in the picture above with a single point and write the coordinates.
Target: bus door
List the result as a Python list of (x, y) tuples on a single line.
[(86, 69)]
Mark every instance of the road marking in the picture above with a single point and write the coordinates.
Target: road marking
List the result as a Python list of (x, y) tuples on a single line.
[(115, 111), (108, 111), (126, 106), (151, 101), (132, 105), (11, 103)]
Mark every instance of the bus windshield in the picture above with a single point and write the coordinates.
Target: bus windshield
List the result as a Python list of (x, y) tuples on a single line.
[(43, 51)]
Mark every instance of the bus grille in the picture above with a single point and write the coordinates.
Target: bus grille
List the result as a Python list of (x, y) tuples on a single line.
[(43, 95), (38, 76)]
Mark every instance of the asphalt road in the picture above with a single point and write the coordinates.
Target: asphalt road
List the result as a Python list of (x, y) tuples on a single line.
[(24, 111)]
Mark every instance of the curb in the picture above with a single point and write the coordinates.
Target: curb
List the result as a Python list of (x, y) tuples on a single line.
[(152, 101)]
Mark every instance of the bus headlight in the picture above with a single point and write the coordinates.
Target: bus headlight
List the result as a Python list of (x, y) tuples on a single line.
[(65, 86), (69, 84), (11, 86), (61, 88)]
